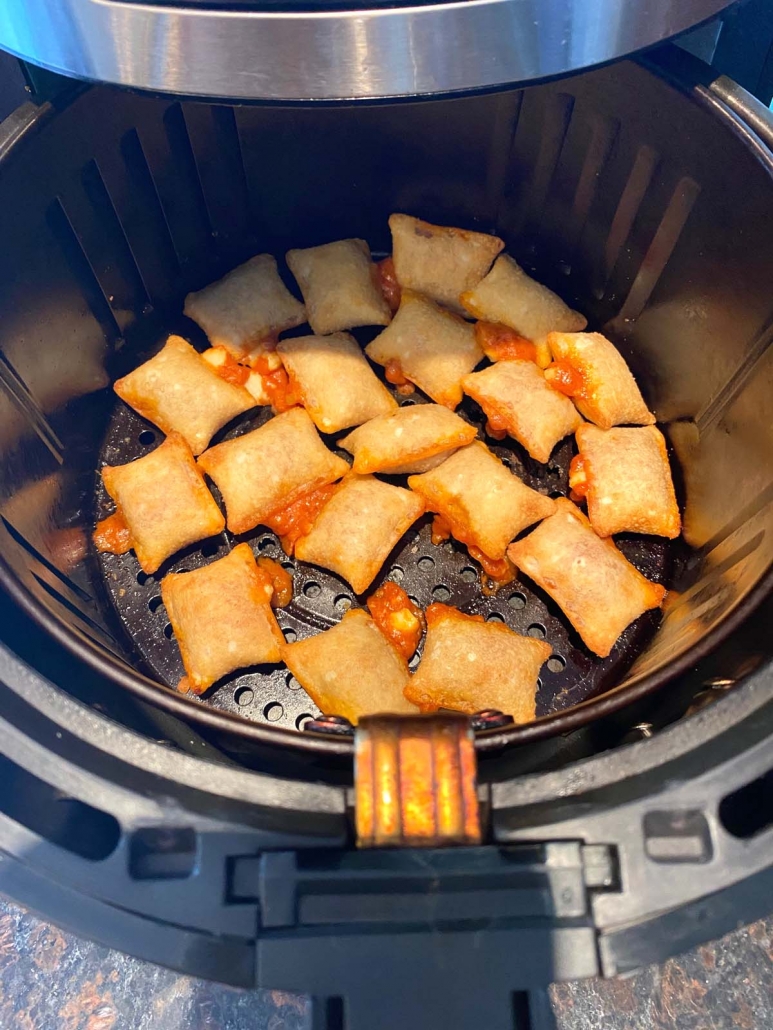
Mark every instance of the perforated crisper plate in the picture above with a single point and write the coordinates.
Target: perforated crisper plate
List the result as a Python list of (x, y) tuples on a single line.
[(427, 572)]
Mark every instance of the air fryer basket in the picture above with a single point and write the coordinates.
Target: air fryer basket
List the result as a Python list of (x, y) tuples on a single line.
[(645, 207)]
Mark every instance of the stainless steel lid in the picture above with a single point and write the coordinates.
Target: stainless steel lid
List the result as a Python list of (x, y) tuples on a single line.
[(283, 50)]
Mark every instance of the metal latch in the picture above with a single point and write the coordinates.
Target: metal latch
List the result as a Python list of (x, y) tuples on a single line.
[(416, 782)]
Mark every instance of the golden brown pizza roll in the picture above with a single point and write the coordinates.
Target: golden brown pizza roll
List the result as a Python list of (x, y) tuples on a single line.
[(269, 468), (336, 384), (410, 440), (439, 261), (351, 669), (485, 505), (517, 400), (429, 346), (180, 392), (625, 476), (245, 307), (598, 589), (164, 501), (510, 296), (339, 283), (591, 370), (358, 527), (222, 618), (469, 665)]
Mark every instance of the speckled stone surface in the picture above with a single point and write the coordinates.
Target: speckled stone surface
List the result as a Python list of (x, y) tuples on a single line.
[(50, 980)]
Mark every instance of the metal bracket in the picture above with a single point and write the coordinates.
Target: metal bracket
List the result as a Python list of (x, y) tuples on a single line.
[(416, 782)]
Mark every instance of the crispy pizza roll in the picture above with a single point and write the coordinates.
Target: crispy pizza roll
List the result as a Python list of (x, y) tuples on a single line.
[(245, 308), (269, 468), (591, 370), (429, 346), (164, 502), (351, 670), (336, 384), (412, 439), (598, 589), (222, 618), (439, 261), (178, 391), (358, 527), (518, 401), (469, 665), (510, 296), (339, 283), (485, 505), (625, 476)]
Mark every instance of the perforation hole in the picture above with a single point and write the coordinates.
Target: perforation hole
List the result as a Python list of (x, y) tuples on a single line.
[(441, 592), (495, 617), (556, 663), (168, 631), (396, 574), (468, 574), (290, 635), (291, 682), (147, 437), (265, 542), (537, 631), (426, 564), (517, 601), (210, 549), (155, 603), (312, 589), (273, 711), (342, 603), (244, 696), (301, 721), (143, 578), (288, 566)]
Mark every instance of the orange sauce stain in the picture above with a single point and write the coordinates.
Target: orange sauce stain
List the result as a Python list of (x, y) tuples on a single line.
[(296, 520), (387, 281), (112, 535), (398, 618), (501, 343), (280, 579)]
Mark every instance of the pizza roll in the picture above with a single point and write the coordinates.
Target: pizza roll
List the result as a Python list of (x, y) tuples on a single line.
[(429, 346), (180, 392), (164, 502), (469, 665), (591, 370), (269, 468), (485, 505), (336, 384), (245, 308), (598, 589), (439, 261), (339, 283), (358, 527), (351, 670), (222, 618), (517, 400), (510, 296), (625, 476), (410, 440)]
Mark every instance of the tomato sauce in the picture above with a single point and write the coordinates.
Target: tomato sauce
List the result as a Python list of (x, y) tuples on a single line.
[(498, 570), (232, 371), (501, 343), (496, 424), (387, 281), (112, 535), (280, 579), (579, 481), (296, 520), (565, 378), (398, 618), (282, 394)]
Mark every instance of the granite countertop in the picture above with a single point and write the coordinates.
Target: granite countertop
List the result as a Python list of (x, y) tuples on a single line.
[(50, 980)]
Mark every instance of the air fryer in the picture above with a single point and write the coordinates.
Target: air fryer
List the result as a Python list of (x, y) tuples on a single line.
[(216, 835)]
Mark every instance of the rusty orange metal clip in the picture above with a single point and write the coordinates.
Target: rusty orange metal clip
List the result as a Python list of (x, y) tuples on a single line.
[(415, 781)]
